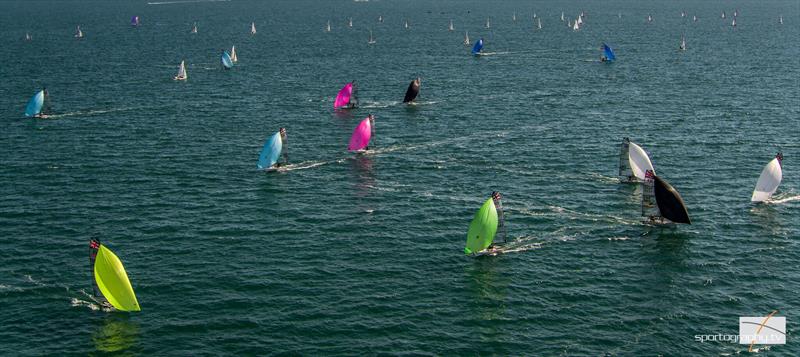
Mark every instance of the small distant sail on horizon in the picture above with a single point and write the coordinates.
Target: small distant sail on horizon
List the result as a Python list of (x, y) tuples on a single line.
[(534, 15), (482, 229), (35, 105), (227, 62), (579, 20), (723, 14), (328, 26), (780, 19), (769, 180), (371, 39), (405, 24), (683, 13), (488, 23), (182, 75), (733, 23), (194, 28), (608, 54), (514, 17), (633, 162), (135, 21), (683, 43), (450, 28), (661, 203), (110, 281), (694, 18), (380, 18), (649, 18), (576, 26), (347, 97), (350, 22), (476, 50), (28, 36), (466, 38), (539, 23), (271, 152), (234, 57), (252, 28), (362, 134), (413, 91), (78, 32), (736, 13), (562, 16)]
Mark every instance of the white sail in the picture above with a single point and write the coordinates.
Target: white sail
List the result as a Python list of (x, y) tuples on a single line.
[(694, 18), (488, 23), (579, 21), (181, 72), (768, 182), (683, 43), (639, 161), (194, 28), (371, 39), (733, 23), (466, 38), (514, 17), (450, 28), (723, 14), (539, 23), (350, 22), (576, 26), (405, 24), (562, 16), (78, 32), (28, 37), (234, 58), (252, 28), (780, 19), (328, 26)]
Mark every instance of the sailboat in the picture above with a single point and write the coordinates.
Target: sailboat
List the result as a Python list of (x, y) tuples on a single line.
[(488, 23), (350, 22), (405, 24), (135, 21), (371, 39), (608, 54), (633, 162), (683, 43), (576, 26), (661, 203), (476, 50), (359, 141), (780, 19), (380, 18), (234, 57), (769, 180), (534, 15), (28, 36), (683, 13), (539, 23), (252, 28), (328, 26), (347, 97), (78, 32), (271, 151), (562, 16), (35, 105), (194, 28), (694, 18), (736, 13), (450, 28), (649, 18), (110, 281), (723, 14), (227, 62), (181, 76), (579, 20), (466, 38), (733, 23), (514, 17), (482, 229), (413, 90)]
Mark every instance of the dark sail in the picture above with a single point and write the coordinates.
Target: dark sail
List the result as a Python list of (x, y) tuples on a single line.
[(412, 92), (669, 202)]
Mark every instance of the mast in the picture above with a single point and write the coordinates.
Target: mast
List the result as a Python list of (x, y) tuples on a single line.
[(625, 172), (649, 207)]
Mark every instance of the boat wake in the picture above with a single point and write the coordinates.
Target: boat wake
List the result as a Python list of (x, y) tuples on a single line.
[(784, 200), (85, 113), (384, 104), (418, 103), (494, 53), (75, 302), (303, 165), (521, 244)]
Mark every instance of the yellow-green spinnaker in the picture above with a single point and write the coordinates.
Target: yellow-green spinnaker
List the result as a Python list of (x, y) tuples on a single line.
[(112, 280), (482, 229)]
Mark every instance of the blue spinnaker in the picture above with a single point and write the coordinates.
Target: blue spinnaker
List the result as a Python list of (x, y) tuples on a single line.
[(271, 151), (608, 53), (35, 104), (478, 47), (227, 62)]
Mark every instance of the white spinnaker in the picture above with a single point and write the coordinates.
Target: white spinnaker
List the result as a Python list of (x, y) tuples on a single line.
[(768, 181), (639, 161)]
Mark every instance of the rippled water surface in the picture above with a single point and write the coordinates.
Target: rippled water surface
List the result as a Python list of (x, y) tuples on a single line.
[(355, 255)]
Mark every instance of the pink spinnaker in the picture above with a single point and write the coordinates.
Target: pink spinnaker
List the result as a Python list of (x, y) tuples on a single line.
[(343, 98), (361, 136)]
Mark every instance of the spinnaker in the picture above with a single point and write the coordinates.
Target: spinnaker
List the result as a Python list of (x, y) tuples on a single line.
[(111, 279), (270, 152), (346, 98), (35, 105), (608, 54), (227, 62), (362, 134), (476, 50), (482, 229), (413, 91), (770, 179)]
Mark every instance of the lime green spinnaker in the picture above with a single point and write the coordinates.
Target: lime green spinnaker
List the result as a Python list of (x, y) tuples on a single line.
[(113, 281), (482, 229)]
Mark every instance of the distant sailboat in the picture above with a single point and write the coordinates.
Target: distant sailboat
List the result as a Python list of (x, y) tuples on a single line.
[(488, 23), (780, 19), (347, 97), (78, 32), (649, 18), (359, 141), (736, 13), (661, 203), (252, 28), (110, 281), (271, 151), (562, 16), (413, 90), (28, 36), (227, 62), (234, 57), (769, 180), (476, 50), (608, 54), (539, 23), (350, 22), (405, 24), (380, 18), (723, 14), (466, 38), (181, 76), (576, 26), (683, 13), (482, 229), (534, 15), (514, 17), (694, 18), (328, 26), (683, 43), (633, 162), (135, 21), (371, 39), (450, 28), (35, 104), (194, 28), (579, 20), (733, 23)]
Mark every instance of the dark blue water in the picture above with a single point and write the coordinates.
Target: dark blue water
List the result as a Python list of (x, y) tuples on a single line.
[(361, 255)]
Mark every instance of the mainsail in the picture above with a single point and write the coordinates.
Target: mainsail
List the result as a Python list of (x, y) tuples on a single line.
[(361, 135), (466, 38), (608, 53), (78, 32), (194, 28), (482, 229), (328, 26), (35, 105), (111, 279), (476, 50), (413, 91), (226, 60), (346, 98), (450, 28), (669, 206), (633, 162), (769, 180), (371, 39), (683, 43), (271, 152), (234, 58), (181, 72), (252, 28), (135, 21)]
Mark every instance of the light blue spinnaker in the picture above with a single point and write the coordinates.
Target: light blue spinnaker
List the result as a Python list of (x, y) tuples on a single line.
[(271, 151), (608, 53), (478, 47), (35, 104), (227, 62)]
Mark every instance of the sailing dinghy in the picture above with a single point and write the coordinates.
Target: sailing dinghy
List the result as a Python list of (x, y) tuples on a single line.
[(413, 91), (769, 180), (271, 152), (633, 162), (78, 32), (35, 105), (476, 50), (661, 203), (608, 54), (359, 141), (252, 28), (466, 38), (194, 28), (135, 21), (347, 97), (234, 57), (181, 76), (227, 62), (482, 229), (111, 284)]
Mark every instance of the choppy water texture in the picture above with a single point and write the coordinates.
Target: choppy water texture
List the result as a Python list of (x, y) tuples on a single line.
[(364, 255)]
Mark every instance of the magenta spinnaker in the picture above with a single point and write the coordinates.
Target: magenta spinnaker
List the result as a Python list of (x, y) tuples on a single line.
[(361, 136), (343, 98)]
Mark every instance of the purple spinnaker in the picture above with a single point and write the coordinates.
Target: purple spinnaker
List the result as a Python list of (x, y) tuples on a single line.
[(361, 136), (343, 98)]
